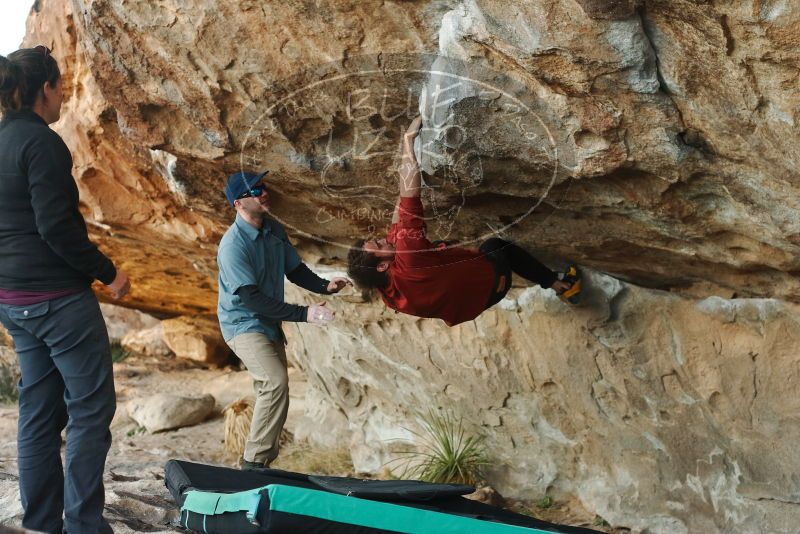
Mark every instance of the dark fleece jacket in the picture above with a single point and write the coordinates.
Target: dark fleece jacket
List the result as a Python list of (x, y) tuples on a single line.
[(44, 245)]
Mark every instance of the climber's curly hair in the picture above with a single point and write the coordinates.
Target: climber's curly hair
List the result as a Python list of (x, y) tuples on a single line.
[(362, 268)]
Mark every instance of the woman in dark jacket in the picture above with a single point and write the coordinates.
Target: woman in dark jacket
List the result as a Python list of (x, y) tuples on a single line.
[(46, 303)]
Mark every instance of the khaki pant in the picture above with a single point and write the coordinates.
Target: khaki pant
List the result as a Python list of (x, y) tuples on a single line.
[(266, 361)]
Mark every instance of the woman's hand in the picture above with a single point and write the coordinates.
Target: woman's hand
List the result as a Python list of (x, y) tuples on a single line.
[(120, 286)]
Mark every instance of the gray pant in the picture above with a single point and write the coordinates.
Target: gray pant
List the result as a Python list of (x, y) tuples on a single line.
[(266, 361), (66, 380)]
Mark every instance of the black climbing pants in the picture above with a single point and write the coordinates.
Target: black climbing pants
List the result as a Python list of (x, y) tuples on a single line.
[(507, 258)]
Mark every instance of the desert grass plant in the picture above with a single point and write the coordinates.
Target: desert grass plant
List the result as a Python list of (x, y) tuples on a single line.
[(238, 416), (445, 453), (118, 352)]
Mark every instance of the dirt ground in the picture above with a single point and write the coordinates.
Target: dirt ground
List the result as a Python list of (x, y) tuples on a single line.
[(136, 498)]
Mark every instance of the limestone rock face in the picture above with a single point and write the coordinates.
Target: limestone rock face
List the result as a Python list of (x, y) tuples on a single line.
[(654, 139), (165, 412), (130, 207), (659, 412)]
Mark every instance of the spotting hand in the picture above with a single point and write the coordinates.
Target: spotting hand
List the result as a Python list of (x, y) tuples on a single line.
[(319, 314)]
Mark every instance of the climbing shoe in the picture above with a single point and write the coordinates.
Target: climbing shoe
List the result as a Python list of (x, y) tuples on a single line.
[(573, 293)]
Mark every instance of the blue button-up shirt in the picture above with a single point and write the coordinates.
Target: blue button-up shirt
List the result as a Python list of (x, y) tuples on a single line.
[(248, 256)]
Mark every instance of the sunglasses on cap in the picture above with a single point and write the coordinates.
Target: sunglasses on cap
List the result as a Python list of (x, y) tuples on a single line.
[(43, 50), (255, 191)]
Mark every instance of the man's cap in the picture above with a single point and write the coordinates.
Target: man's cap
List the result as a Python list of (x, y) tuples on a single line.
[(241, 182)]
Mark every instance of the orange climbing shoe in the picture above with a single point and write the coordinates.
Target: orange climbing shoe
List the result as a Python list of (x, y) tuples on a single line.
[(573, 293)]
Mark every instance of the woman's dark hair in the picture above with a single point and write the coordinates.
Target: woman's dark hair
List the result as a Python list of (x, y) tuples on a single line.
[(362, 268), (23, 74)]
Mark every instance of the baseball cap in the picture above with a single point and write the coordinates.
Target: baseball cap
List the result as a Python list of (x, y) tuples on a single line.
[(240, 182)]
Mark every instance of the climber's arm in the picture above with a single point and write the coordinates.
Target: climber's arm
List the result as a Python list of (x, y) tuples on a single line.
[(410, 179)]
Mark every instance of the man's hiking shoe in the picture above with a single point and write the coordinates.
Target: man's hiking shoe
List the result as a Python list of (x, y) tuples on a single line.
[(244, 465), (573, 293)]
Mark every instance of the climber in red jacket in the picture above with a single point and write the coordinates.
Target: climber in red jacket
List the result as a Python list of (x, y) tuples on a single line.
[(455, 284)]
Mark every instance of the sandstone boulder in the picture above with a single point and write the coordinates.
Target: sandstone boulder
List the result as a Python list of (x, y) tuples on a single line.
[(137, 499), (10, 505), (149, 341), (196, 338), (120, 321), (9, 374), (229, 387), (165, 412)]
